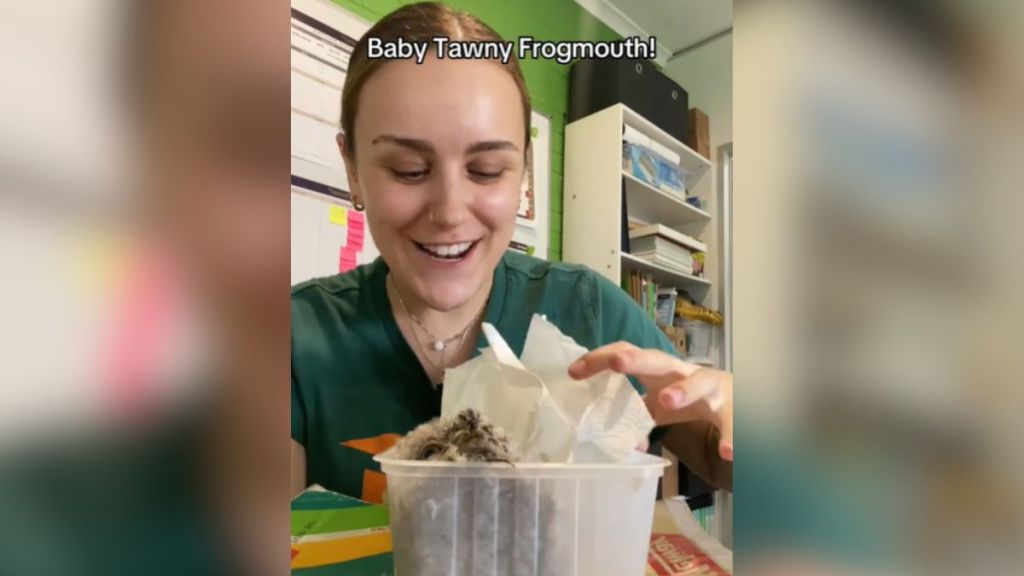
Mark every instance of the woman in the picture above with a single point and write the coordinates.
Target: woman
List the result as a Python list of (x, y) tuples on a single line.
[(435, 153)]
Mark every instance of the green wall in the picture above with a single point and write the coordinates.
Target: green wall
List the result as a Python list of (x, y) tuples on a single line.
[(548, 81)]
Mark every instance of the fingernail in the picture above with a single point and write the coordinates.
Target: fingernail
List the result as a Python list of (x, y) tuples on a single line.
[(576, 366), (726, 451), (672, 397)]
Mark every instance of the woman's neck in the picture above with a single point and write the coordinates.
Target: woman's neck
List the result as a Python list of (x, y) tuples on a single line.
[(452, 333), (443, 324)]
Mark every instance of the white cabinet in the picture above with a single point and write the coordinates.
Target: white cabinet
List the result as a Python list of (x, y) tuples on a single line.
[(592, 200)]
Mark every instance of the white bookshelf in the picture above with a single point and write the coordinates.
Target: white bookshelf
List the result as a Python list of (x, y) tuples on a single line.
[(592, 198), (666, 276), (694, 164), (649, 204)]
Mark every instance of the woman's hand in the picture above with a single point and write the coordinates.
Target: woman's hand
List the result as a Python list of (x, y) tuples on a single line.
[(677, 391)]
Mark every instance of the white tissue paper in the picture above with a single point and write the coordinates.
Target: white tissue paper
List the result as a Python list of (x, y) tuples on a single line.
[(549, 416)]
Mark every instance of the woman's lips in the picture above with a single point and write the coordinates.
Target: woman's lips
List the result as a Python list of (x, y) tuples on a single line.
[(448, 252)]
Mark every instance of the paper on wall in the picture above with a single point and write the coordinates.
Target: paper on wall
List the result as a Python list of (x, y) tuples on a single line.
[(549, 416)]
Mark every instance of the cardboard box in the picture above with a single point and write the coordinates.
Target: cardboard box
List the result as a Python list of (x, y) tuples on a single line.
[(698, 136)]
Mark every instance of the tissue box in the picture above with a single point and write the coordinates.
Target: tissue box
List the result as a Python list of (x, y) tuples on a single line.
[(652, 168), (335, 534)]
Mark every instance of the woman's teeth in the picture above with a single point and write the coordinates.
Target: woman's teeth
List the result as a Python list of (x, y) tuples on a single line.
[(450, 251)]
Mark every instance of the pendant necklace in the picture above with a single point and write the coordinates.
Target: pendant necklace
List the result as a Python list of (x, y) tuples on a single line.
[(438, 344)]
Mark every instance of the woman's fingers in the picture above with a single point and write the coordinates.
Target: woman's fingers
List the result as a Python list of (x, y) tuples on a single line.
[(701, 384), (666, 416), (725, 442), (597, 360), (674, 387), (627, 359)]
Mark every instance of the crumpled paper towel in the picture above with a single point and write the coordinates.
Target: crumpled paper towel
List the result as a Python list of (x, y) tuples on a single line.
[(549, 416)]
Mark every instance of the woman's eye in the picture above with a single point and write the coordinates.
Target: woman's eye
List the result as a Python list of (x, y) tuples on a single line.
[(409, 175), (486, 175)]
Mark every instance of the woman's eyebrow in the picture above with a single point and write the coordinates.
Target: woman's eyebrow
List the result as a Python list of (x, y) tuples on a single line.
[(411, 143), (488, 145), (423, 146)]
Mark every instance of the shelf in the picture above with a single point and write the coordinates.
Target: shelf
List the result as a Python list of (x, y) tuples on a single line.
[(700, 360), (662, 275), (666, 233), (650, 204), (695, 164)]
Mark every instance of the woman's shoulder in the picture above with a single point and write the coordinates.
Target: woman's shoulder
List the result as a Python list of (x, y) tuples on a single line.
[(337, 286), (535, 269), (569, 280), (583, 303), (318, 303), (562, 283)]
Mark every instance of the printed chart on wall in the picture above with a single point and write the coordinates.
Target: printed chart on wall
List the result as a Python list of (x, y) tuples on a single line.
[(328, 235), (531, 235)]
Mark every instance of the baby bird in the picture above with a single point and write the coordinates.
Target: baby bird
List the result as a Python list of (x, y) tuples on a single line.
[(468, 437)]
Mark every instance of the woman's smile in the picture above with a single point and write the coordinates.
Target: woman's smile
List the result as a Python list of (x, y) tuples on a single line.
[(448, 252)]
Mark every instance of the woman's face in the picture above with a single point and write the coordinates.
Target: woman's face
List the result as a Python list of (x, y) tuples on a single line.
[(439, 162)]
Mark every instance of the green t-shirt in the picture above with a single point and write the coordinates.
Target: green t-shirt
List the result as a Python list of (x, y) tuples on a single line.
[(357, 385)]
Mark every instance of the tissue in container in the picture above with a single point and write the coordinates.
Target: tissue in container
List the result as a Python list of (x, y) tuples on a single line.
[(545, 515), (548, 415), (531, 519)]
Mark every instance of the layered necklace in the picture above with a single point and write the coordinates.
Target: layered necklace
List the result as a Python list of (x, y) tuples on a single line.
[(439, 345)]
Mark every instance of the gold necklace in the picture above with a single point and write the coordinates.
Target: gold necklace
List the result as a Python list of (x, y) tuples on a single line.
[(438, 343)]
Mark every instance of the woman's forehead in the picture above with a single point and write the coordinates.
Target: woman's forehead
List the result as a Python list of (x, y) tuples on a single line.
[(454, 101)]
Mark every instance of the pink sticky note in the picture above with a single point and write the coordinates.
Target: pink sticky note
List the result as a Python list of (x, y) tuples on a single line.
[(357, 217), (346, 260), (356, 227), (356, 236)]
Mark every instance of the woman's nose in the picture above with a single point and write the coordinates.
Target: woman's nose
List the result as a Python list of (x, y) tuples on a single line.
[(449, 206)]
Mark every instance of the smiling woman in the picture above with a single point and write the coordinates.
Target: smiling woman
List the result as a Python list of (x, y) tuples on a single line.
[(435, 153)]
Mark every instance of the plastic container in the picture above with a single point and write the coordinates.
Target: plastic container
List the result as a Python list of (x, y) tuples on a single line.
[(699, 336), (531, 519)]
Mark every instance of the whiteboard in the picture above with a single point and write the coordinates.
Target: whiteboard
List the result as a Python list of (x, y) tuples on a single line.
[(327, 235)]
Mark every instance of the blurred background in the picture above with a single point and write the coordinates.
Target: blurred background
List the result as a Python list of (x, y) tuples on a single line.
[(144, 317), (877, 319), (876, 306)]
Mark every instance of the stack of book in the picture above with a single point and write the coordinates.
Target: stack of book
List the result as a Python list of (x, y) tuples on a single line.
[(642, 289), (658, 302), (664, 246)]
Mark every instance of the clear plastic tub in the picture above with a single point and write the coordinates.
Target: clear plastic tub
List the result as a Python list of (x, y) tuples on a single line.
[(699, 336), (532, 519)]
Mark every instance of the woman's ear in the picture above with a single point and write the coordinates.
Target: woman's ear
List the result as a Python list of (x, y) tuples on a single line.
[(527, 165), (350, 168)]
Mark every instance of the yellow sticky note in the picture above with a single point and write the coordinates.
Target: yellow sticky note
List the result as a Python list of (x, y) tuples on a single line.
[(339, 215)]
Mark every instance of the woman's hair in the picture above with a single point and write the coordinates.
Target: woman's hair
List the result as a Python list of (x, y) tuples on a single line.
[(421, 22)]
